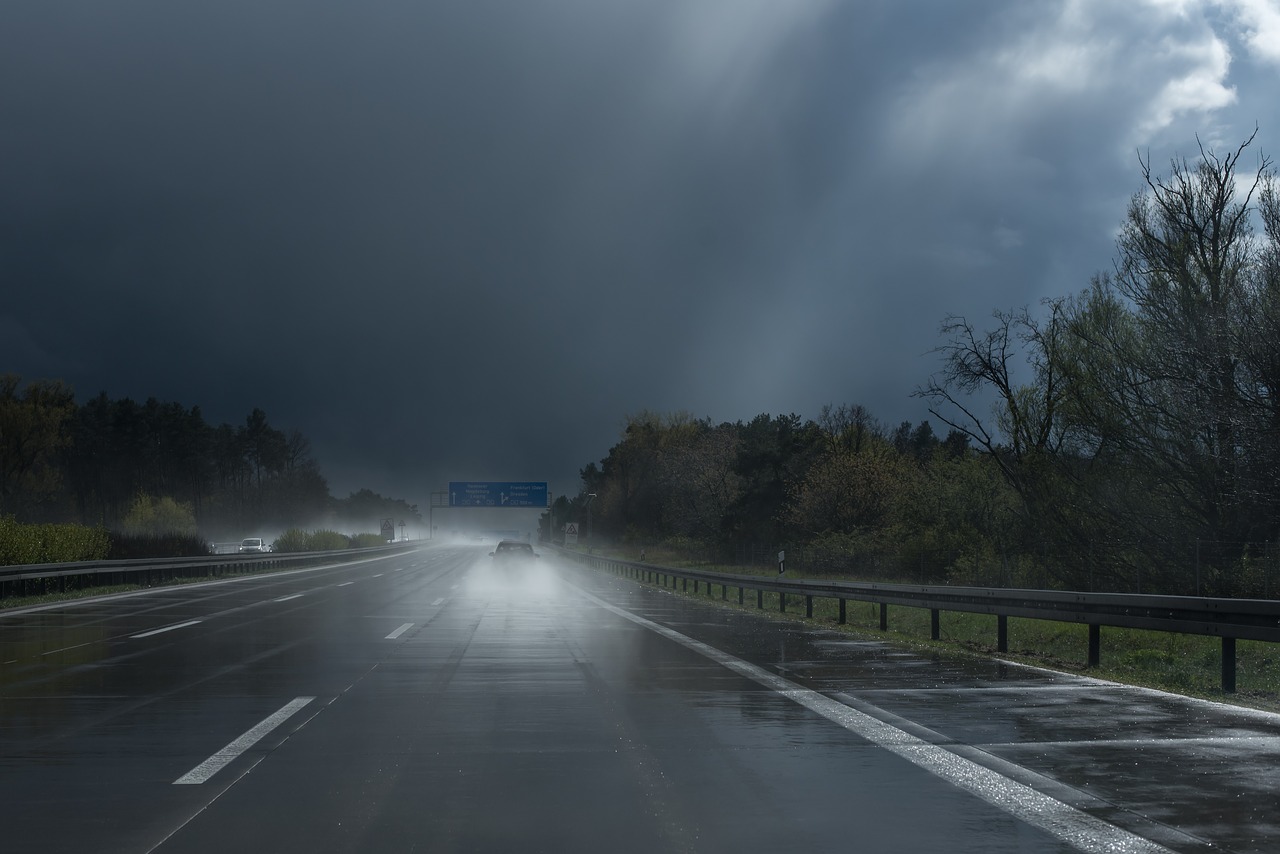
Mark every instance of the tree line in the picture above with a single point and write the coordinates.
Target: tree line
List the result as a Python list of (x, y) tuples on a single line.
[(1123, 438), (160, 467)]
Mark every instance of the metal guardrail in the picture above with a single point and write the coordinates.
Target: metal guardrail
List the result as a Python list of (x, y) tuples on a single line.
[(1229, 619), (34, 579)]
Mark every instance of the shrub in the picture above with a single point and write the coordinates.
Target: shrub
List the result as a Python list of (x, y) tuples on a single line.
[(298, 540), (125, 546), (366, 541), (328, 541), (156, 517), (292, 540), (20, 544)]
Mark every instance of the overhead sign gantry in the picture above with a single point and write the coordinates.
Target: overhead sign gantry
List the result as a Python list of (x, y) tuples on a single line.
[(499, 493), (490, 494)]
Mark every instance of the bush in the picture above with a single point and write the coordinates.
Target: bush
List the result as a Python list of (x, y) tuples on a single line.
[(20, 544), (367, 541), (292, 540), (298, 540), (158, 517), (329, 541), (126, 546)]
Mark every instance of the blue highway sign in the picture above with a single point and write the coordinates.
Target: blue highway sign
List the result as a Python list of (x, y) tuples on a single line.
[(489, 493)]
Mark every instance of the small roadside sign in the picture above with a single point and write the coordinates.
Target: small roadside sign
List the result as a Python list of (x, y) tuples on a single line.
[(571, 534)]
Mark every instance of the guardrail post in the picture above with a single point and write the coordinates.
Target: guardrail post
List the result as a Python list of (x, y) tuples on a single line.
[(685, 588), (741, 593), (782, 602), (1229, 665), (1095, 644), (842, 612), (1002, 633), (808, 606), (935, 625), (884, 616), (724, 593), (760, 598)]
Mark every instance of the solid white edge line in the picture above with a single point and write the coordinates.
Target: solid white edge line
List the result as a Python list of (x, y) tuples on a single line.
[(165, 629), (398, 632), (1078, 829), (223, 757)]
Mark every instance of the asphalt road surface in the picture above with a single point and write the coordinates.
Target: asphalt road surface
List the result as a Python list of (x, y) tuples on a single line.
[(427, 702)]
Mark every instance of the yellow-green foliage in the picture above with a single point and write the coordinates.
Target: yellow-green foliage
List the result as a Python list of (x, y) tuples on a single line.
[(154, 517), (327, 541), (365, 541), (292, 540), (298, 540), (50, 543)]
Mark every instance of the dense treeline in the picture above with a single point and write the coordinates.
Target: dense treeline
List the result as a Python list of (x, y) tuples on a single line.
[(847, 489), (159, 468), (1133, 442)]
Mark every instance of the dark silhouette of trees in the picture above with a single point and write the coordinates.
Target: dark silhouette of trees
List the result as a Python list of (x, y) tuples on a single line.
[(98, 462), (1147, 429), (32, 433), (1125, 438), (364, 511)]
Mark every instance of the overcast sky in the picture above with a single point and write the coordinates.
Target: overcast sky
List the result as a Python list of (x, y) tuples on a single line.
[(463, 239)]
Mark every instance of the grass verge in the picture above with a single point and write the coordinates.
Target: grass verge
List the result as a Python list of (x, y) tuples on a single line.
[(1189, 665)]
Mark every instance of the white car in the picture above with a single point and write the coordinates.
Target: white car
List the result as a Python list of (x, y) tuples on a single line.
[(253, 545)]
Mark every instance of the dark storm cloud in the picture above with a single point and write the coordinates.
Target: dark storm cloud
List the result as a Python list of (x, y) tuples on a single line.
[(463, 240)]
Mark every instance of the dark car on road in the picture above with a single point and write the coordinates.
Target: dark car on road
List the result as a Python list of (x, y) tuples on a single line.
[(513, 553)]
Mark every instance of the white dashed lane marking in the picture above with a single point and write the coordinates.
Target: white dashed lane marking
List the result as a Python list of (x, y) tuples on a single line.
[(223, 757), (165, 629)]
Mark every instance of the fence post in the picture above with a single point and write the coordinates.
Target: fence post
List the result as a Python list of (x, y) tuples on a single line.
[(1229, 665)]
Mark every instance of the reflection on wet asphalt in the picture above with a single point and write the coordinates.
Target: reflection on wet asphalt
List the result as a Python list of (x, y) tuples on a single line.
[(461, 709)]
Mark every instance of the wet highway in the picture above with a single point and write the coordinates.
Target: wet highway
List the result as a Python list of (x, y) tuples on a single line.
[(425, 702)]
